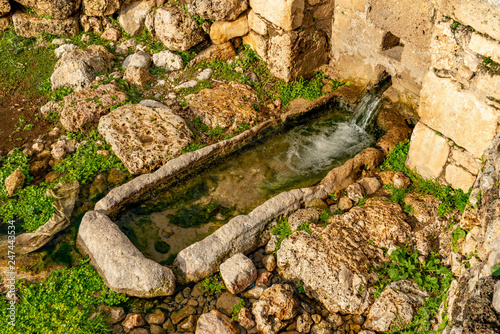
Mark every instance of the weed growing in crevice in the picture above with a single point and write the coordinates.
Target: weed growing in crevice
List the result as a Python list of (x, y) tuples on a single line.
[(236, 309), (283, 231), (212, 285)]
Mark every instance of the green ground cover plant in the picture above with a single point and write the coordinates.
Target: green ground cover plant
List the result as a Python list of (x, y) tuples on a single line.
[(212, 285), (283, 231), (449, 197), (63, 303)]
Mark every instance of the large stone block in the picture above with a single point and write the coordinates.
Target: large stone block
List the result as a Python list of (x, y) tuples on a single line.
[(258, 43), (443, 47), (485, 47), (256, 23), (458, 114), (407, 19), (292, 54), (459, 178), (223, 31), (57, 9), (31, 25), (488, 84), (285, 14), (357, 5), (482, 15), (428, 152)]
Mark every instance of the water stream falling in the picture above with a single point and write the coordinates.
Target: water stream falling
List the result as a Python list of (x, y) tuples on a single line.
[(299, 157)]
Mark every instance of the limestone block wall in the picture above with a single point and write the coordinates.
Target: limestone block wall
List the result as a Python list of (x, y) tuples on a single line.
[(459, 101), (370, 36)]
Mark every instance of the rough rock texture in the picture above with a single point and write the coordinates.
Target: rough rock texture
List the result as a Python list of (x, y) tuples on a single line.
[(293, 54), (423, 140), (144, 138), (485, 47), (214, 52), (275, 308), (287, 15), (14, 182), (301, 216), (394, 126), (215, 322), (123, 268), (223, 31), (398, 303), (332, 262), (87, 106), (57, 9), (100, 7), (474, 122), (168, 60), (111, 34), (137, 76), (63, 48), (65, 196), (177, 29), (225, 105), (257, 24), (133, 15), (4, 24), (139, 59), (31, 25), (218, 10), (238, 273), (4, 7), (78, 68), (480, 14)]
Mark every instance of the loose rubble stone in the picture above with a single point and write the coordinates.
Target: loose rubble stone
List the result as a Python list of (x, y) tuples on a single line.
[(14, 182), (161, 137), (177, 29), (100, 7), (78, 68), (324, 327), (205, 74), (225, 105), (355, 192), (400, 181), (133, 15), (63, 48), (4, 7), (304, 323), (302, 216), (215, 322), (57, 9), (112, 315), (370, 184), (111, 34), (214, 52), (218, 10), (226, 302), (132, 321), (398, 302), (238, 273), (31, 25), (156, 318), (137, 76), (221, 32), (275, 309), (168, 60), (87, 106), (345, 203), (269, 262), (188, 324), (138, 59), (245, 318), (181, 314)]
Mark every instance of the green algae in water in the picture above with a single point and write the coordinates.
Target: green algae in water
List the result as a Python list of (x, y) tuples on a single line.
[(188, 212)]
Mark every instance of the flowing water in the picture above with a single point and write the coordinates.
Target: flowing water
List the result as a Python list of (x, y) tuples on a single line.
[(299, 157)]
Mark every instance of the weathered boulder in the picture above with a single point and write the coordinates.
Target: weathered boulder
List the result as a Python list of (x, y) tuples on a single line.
[(398, 304), (57, 9), (216, 322), (137, 76), (334, 262), (214, 52), (4, 7), (285, 14), (139, 59), (226, 105), (218, 10), (100, 7), (123, 267), (31, 25), (63, 48), (87, 106), (133, 15), (144, 138), (238, 273), (275, 309), (65, 196), (14, 182), (78, 68), (168, 60), (177, 29), (223, 31), (300, 216)]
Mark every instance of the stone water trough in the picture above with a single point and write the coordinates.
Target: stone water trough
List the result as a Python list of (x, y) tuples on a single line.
[(125, 269)]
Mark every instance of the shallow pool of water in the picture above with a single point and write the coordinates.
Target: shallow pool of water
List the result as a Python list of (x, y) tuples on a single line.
[(295, 158)]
